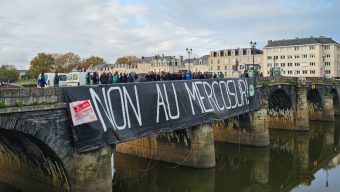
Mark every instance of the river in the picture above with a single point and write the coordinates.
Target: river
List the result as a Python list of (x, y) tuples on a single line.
[(295, 161)]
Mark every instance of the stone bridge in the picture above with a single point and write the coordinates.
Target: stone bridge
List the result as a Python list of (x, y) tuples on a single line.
[(37, 119)]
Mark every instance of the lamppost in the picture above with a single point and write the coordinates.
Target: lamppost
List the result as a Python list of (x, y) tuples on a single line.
[(253, 46), (189, 51), (272, 69)]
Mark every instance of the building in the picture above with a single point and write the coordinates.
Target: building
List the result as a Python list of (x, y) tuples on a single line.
[(306, 57), (224, 60), (157, 64), (201, 64)]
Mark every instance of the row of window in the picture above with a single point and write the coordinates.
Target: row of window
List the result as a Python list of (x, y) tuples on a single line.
[(311, 64), (291, 56), (298, 48)]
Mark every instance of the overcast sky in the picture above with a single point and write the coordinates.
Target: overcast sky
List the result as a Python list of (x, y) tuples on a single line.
[(114, 28)]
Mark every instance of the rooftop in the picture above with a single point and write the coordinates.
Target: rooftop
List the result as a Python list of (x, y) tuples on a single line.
[(300, 41)]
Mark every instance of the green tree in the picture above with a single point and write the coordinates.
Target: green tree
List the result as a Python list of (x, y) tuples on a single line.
[(93, 60), (64, 63), (9, 73), (43, 62)]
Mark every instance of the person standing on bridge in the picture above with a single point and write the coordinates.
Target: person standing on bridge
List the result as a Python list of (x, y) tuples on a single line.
[(42, 80), (95, 78), (88, 78), (56, 80), (188, 75)]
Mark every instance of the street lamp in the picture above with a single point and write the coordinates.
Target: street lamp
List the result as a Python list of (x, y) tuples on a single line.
[(253, 46), (189, 51)]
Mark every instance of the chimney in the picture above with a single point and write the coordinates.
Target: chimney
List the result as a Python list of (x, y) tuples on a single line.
[(270, 42)]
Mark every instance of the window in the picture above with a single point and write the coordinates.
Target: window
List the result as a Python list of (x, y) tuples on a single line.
[(211, 62), (290, 72), (283, 57), (225, 67), (283, 64), (326, 47), (211, 67), (304, 56), (312, 72), (297, 56), (296, 64), (327, 63), (218, 61), (284, 72), (312, 47), (297, 72), (218, 67), (290, 64), (327, 56), (304, 72), (328, 71), (312, 64), (312, 56), (276, 57), (290, 57), (296, 48)]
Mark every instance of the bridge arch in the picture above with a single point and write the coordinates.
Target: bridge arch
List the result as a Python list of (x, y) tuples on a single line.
[(32, 162), (279, 100), (314, 99)]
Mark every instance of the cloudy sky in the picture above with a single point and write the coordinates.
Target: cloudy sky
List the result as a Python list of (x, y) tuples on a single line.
[(114, 28)]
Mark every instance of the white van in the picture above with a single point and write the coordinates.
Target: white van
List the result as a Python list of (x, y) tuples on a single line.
[(62, 79), (76, 79)]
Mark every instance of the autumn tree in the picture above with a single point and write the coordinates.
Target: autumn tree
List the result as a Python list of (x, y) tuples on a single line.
[(128, 59), (43, 62), (66, 62), (93, 60), (9, 73)]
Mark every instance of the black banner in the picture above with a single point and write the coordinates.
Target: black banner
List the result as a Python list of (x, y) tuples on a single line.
[(110, 114)]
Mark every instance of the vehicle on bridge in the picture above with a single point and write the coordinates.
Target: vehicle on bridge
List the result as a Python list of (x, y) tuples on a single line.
[(76, 79)]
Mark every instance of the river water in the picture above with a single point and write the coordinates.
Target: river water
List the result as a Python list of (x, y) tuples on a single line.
[(295, 161)]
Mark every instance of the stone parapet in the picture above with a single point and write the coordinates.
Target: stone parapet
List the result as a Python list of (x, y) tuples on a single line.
[(30, 96)]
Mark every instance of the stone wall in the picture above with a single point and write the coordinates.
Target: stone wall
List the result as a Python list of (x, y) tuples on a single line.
[(31, 96)]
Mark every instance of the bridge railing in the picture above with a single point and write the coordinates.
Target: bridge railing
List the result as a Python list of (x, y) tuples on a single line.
[(14, 97)]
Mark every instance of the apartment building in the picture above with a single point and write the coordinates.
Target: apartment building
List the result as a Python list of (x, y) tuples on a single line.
[(223, 60), (305, 57)]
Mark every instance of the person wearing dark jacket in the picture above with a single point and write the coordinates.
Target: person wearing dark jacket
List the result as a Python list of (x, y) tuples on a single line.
[(56, 80), (130, 78), (95, 78), (104, 78)]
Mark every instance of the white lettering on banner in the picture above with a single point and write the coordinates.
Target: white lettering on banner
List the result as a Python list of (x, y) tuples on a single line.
[(213, 88), (111, 107), (226, 89), (107, 107), (193, 95), (210, 95), (82, 112), (168, 104), (136, 112), (232, 94), (201, 97), (160, 102)]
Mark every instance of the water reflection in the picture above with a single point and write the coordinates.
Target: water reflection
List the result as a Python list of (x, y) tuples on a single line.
[(298, 161)]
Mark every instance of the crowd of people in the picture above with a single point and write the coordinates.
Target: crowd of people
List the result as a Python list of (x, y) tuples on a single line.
[(109, 78)]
